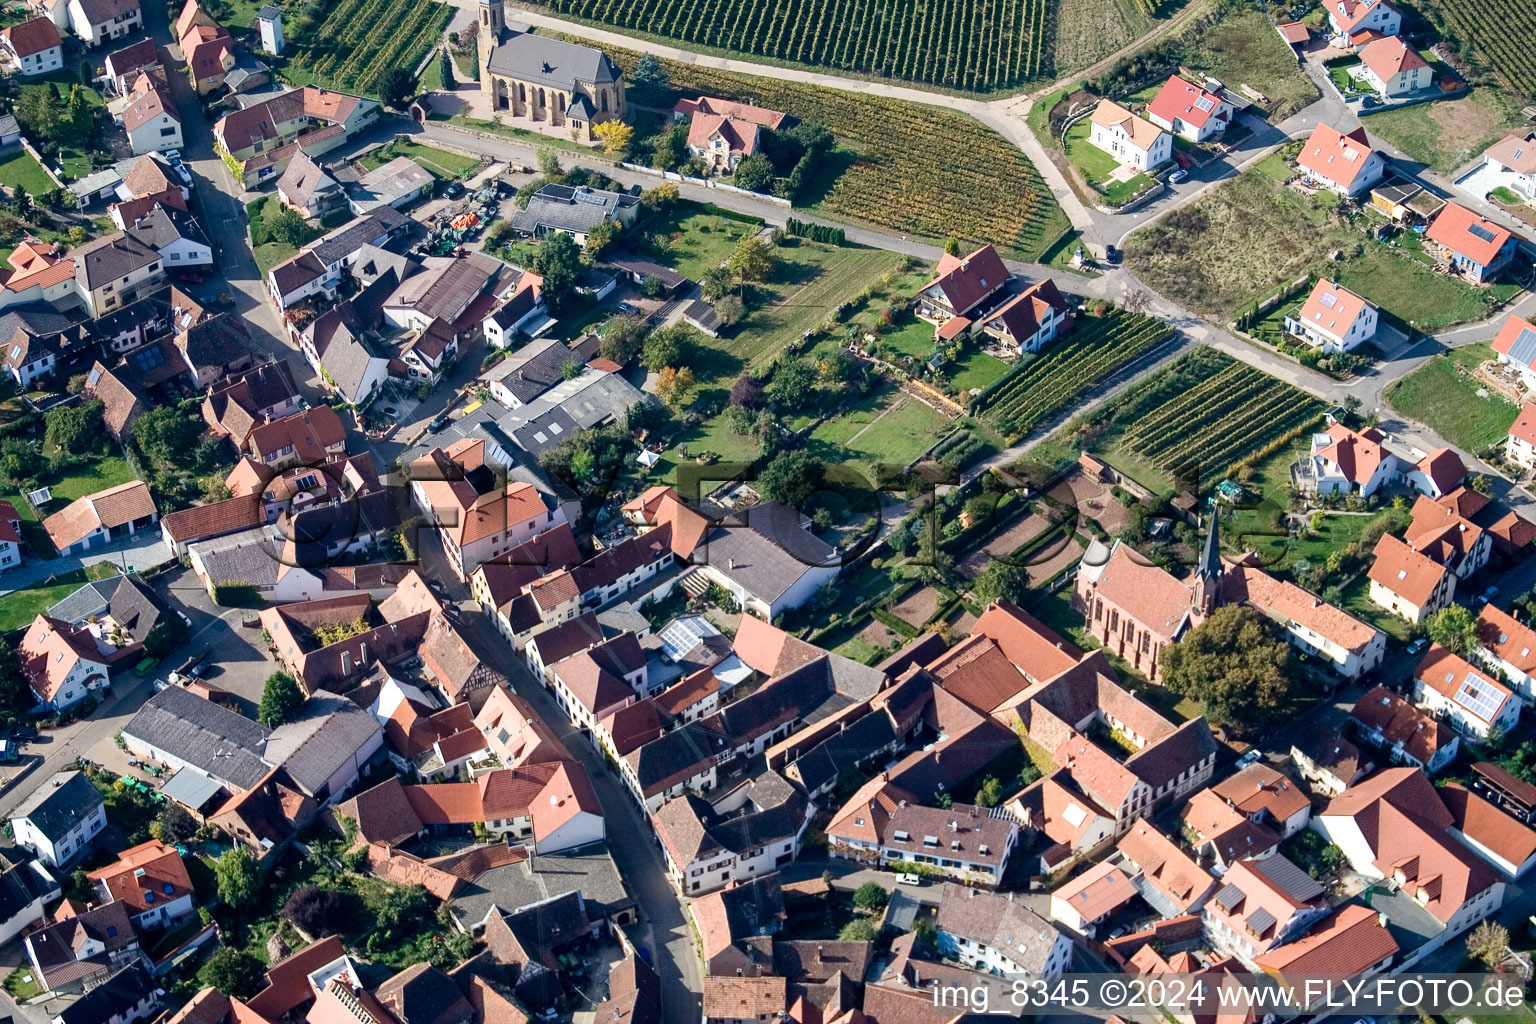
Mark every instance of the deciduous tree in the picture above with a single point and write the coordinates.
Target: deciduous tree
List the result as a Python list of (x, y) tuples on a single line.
[(1234, 664), (238, 876), (280, 698), (674, 386), (1453, 628), (615, 136)]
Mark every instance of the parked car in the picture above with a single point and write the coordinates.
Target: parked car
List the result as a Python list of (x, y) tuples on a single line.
[(439, 421), (1249, 758), (1490, 593), (1178, 176), (1418, 645), (907, 878), (1111, 254)]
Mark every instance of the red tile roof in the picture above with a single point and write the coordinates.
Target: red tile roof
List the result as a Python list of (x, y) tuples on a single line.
[(1444, 467), (1448, 675), (1421, 734), (1513, 327), (145, 877), (1259, 787), (31, 37), (1404, 571), (1184, 100), (1335, 156), (1349, 942), (1390, 56), (1454, 229), (1100, 890), (1484, 822), (1332, 310), (966, 280)]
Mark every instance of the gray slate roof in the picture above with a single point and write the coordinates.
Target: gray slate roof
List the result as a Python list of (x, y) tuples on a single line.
[(563, 208), (59, 804), (107, 259), (250, 556), (89, 600), (588, 870), (328, 732), (218, 741), (552, 62)]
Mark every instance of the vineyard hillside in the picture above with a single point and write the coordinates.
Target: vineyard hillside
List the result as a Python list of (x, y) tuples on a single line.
[(347, 44), (1498, 33), (1040, 386), (913, 169), (976, 45)]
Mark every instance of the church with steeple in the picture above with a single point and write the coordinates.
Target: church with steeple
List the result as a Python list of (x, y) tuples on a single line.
[(1136, 608), (545, 82)]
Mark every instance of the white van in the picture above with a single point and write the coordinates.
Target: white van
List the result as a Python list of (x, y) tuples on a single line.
[(907, 878)]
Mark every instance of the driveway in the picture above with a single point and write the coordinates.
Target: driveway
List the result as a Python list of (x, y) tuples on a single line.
[(143, 550)]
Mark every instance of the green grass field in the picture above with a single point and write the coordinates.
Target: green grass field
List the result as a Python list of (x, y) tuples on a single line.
[(1410, 291), (21, 169), (20, 607), (1447, 133), (1244, 48), (691, 238), (1448, 403), (438, 162), (1099, 167), (885, 426), (974, 369)]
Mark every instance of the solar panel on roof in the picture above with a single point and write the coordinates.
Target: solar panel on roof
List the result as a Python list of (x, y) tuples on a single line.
[(1329, 299), (1523, 349), (1479, 698), (148, 358), (1478, 231), (1204, 103)]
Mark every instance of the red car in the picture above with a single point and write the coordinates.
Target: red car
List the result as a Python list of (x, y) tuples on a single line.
[(191, 277)]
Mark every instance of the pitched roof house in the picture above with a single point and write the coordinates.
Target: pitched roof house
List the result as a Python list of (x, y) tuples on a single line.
[(1408, 583), (1189, 110), (1476, 246), (1345, 163), (101, 517), (1473, 701), (1409, 734)]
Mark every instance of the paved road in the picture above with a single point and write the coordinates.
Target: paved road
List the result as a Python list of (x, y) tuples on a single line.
[(668, 934)]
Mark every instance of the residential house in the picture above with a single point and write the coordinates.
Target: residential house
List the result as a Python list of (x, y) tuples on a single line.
[(1225, 835), (1439, 532), (1473, 702), (1029, 320), (150, 882), (1493, 834), (306, 187), (1352, 22), (59, 819), (1515, 346), (961, 287), (259, 140), (1131, 140), (1351, 646), (1268, 797), (33, 337), (207, 47), (122, 66), (34, 47), (1354, 941), (1395, 827), (100, 21), (1190, 111), (1407, 583), (1408, 734), (397, 183), (342, 344), (129, 995), (83, 948), (444, 303), (62, 663), (1328, 762), (25, 889), (175, 235), (477, 514), (575, 211), (102, 517), (1334, 319), (887, 826), (1085, 901), (10, 536), (148, 115), (1394, 69), (237, 404), (730, 922), (319, 660), (1476, 246), (121, 402), (722, 133), (1514, 158), (1342, 162), (593, 683), (1262, 904), (318, 267), (994, 934), (304, 438), (1508, 647), (751, 831), (1437, 474), (521, 313), (1170, 881), (115, 270), (40, 277)]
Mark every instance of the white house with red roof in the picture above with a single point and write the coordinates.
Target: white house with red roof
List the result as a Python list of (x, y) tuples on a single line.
[(1334, 319), (1395, 69), (1470, 699), (1520, 447), (60, 662), (1345, 460), (1352, 22), (1408, 583), (1476, 246), (963, 288), (1133, 141), (1395, 827), (1507, 646), (1344, 163), (722, 133), (34, 47), (1515, 347), (1030, 320), (1436, 474), (1514, 157), (1262, 904), (10, 536), (1190, 111)]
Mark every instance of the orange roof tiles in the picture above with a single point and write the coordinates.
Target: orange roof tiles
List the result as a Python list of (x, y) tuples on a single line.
[(1349, 942), (145, 877), (1454, 229), (1421, 734), (1034, 648), (1404, 571), (1259, 787), (1332, 310), (1165, 866), (1510, 640), (1449, 675), (1390, 56), (1283, 599), (1482, 821), (1100, 890), (1139, 130), (1335, 156)]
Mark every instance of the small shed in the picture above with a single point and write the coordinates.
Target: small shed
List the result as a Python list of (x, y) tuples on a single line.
[(703, 316)]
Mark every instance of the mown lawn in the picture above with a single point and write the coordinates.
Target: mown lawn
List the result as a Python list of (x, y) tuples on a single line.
[(1448, 403), (108, 472), (20, 607), (691, 237), (439, 162), (886, 426), (1410, 291), (21, 169), (1098, 166), (974, 369)]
